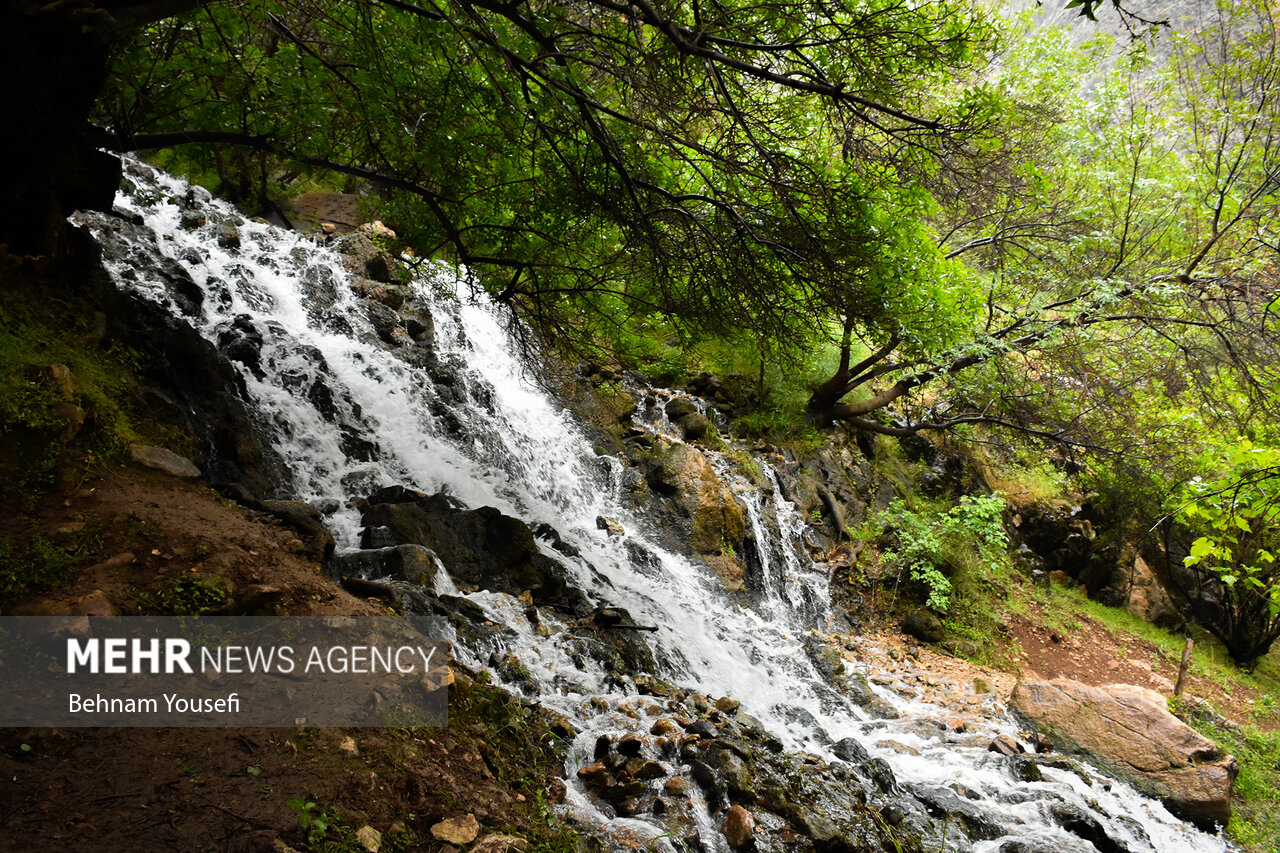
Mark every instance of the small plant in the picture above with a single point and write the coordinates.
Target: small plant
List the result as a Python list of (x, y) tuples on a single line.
[(311, 819), (186, 596)]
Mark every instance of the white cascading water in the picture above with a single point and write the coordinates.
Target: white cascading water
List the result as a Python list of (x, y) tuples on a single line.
[(519, 451)]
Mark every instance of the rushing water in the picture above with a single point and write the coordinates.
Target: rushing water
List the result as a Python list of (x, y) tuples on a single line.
[(348, 413)]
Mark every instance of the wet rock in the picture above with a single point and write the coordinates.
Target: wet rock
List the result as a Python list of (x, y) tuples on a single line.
[(306, 519), (630, 745), (739, 827), (228, 236), (395, 495), (923, 625), (362, 257), (663, 726), (419, 323), (411, 563), (972, 817), (730, 768), (703, 505), (482, 547), (823, 831), (609, 526), (850, 750), (242, 343), (164, 460), (456, 830), (390, 295), (1080, 823), (1005, 745), (547, 533), (382, 267), (694, 426), (702, 728), (596, 775), (1020, 846), (679, 407), (386, 323), (859, 690), (1131, 732), (640, 768), (1026, 769)]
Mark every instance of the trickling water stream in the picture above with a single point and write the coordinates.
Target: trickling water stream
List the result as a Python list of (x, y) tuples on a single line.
[(350, 407)]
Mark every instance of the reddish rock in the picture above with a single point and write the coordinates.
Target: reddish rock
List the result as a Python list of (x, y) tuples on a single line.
[(739, 827), (1005, 745), (595, 775), (663, 726)]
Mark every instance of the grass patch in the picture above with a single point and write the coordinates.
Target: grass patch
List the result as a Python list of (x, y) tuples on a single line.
[(1022, 484)]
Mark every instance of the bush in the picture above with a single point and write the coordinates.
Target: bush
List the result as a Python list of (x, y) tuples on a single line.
[(936, 546)]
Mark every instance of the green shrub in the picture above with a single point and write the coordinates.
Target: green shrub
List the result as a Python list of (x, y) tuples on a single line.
[(935, 546)]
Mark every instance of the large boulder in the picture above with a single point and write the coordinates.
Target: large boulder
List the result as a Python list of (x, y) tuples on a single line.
[(713, 514), (1130, 732), (480, 547)]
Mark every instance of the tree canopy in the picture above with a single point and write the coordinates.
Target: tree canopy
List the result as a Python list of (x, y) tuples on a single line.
[(981, 222), (727, 166)]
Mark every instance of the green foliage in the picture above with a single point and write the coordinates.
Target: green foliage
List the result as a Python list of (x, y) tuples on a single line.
[(590, 170), (314, 821), (186, 595), (1236, 515), (36, 562), (935, 545)]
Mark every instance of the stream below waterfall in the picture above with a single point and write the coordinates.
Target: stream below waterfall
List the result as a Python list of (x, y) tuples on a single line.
[(350, 406)]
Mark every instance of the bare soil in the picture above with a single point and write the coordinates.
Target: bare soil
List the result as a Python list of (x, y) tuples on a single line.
[(226, 789)]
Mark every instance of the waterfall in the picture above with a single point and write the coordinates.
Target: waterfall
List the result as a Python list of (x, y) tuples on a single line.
[(348, 412)]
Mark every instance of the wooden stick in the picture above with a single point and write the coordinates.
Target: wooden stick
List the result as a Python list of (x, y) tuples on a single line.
[(1183, 667)]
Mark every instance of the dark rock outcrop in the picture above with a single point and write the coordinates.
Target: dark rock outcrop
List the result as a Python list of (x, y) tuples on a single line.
[(481, 547)]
